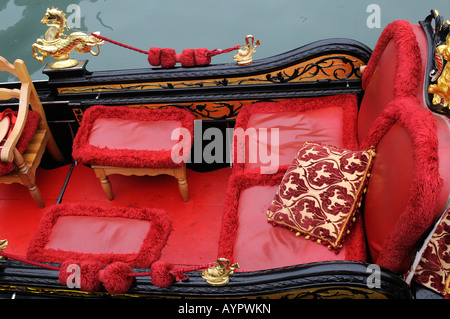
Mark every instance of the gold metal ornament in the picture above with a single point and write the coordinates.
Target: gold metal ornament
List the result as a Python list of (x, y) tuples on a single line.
[(3, 245), (219, 275), (244, 55), (59, 45), (441, 90)]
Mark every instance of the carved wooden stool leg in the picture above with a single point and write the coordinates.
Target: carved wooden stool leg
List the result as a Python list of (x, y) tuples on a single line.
[(180, 175), (104, 181)]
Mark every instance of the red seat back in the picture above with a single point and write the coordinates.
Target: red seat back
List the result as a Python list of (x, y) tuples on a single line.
[(404, 192)]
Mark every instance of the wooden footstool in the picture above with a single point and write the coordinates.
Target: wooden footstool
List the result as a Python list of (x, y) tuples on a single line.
[(135, 141)]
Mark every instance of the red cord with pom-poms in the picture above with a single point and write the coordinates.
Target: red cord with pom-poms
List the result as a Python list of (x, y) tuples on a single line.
[(168, 58)]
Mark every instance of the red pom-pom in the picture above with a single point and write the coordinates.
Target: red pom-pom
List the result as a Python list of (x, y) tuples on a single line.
[(154, 56), (168, 58), (115, 277), (201, 57), (69, 274), (188, 57), (161, 276), (90, 275), (83, 275)]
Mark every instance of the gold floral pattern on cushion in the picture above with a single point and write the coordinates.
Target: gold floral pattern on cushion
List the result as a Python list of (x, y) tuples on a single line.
[(321, 192), (433, 269)]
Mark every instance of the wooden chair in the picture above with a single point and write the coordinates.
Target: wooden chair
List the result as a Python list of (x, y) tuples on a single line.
[(26, 163)]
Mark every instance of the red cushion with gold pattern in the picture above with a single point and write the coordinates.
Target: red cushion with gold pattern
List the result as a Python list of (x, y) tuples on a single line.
[(321, 192)]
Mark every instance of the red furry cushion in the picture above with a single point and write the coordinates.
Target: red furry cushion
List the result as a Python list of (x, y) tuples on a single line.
[(408, 59), (81, 232), (30, 128), (85, 153)]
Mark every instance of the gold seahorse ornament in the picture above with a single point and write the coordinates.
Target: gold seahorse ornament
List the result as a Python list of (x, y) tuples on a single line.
[(219, 275), (245, 55), (441, 90), (59, 45)]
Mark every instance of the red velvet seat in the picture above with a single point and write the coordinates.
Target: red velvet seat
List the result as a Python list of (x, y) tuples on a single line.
[(408, 187)]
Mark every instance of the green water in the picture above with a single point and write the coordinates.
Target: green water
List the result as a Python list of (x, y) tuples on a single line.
[(280, 25)]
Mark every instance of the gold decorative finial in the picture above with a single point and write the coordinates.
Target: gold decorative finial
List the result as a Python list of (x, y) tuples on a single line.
[(219, 275), (441, 90), (3, 244), (244, 55), (59, 45)]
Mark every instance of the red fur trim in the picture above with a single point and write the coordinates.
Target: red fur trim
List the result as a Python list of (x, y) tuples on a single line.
[(85, 153), (409, 61), (421, 210), (168, 58), (30, 128), (149, 252), (346, 101)]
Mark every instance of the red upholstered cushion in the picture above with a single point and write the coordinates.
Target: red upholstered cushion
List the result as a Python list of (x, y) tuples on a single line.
[(405, 185), (395, 69), (329, 120), (88, 232), (246, 236), (321, 193), (123, 136), (30, 128)]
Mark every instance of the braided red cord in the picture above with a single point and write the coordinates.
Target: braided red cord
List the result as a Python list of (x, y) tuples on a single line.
[(208, 53), (118, 43)]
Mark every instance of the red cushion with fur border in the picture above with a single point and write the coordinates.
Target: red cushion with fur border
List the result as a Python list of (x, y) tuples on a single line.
[(328, 120), (405, 185), (247, 238), (30, 128), (101, 153), (88, 232)]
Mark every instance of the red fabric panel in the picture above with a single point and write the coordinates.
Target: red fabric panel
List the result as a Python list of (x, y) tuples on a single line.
[(443, 133), (389, 187), (117, 133), (260, 245), (380, 91), (294, 128), (98, 235)]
